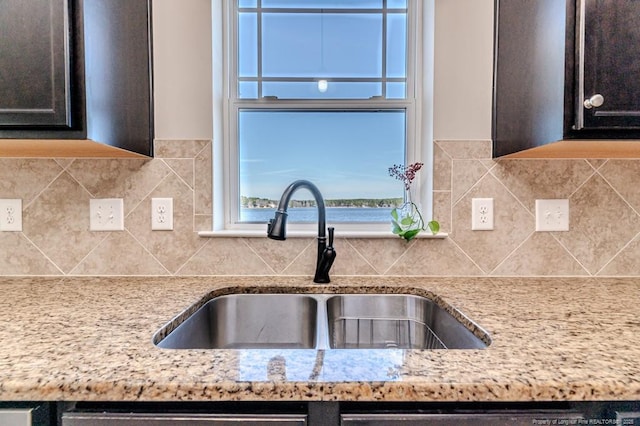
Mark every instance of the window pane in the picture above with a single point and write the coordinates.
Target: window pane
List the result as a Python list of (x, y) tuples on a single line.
[(247, 3), (248, 45), (322, 45), (397, 4), (248, 90), (396, 45), (326, 4), (319, 90), (396, 90), (345, 153)]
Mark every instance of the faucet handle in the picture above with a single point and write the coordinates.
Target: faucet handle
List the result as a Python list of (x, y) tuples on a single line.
[(331, 229)]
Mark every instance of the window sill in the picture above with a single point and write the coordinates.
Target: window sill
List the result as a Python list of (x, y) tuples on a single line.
[(231, 233)]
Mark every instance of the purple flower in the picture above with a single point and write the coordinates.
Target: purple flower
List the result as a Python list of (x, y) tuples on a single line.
[(405, 173)]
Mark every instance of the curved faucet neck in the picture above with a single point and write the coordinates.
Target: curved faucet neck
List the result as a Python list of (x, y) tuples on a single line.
[(288, 193)]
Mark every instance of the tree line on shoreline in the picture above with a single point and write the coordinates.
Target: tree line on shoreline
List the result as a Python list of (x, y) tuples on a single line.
[(258, 203)]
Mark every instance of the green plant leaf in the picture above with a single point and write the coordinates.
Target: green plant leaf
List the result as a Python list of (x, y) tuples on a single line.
[(394, 214), (434, 226), (410, 235), (406, 221), (396, 229)]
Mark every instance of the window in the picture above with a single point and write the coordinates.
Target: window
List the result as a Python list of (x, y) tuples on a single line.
[(323, 90)]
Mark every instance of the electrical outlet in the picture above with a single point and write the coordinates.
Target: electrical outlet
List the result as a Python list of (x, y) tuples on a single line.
[(482, 214), (106, 214), (162, 214), (11, 215), (552, 215)]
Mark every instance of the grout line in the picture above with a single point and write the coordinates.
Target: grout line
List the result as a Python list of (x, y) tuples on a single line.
[(43, 253), (246, 243)]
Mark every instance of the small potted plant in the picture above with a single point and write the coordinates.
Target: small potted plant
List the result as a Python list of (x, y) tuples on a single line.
[(407, 220)]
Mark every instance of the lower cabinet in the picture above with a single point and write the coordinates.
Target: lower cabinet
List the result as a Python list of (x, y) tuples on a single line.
[(25, 414), (510, 418), (137, 419), (326, 413)]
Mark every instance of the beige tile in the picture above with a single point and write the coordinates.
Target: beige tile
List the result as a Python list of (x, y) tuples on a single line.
[(530, 180), (381, 253), (184, 168), (280, 254), (119, 254), (225, 256), (19, 257), (178, 148), (596, 163), (348, 261), (171, 248), (442, 210), (620, 174), (202, 222), (540, 254), (458, 150), (58, 223), (64, 162), (203, 182), (601, 224), (434, 257), (441, 170), (512, 225), (26, 178), (465, 174), (626, 262), (130, 179)]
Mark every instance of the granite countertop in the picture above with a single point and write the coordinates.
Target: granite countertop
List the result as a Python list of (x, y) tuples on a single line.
[(90, 338)]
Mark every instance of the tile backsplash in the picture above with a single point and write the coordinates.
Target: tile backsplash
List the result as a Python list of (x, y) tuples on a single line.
[(603, 239)]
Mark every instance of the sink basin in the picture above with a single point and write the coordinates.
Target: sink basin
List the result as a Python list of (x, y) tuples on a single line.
[(320, 321), (372, 321), (248, 321)]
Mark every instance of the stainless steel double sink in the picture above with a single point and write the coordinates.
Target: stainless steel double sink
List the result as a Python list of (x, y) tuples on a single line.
[(322, 321)]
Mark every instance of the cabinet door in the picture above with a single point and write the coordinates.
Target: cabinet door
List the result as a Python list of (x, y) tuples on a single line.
[(186, 419), (34, 63), (609, 61), (512, 418)]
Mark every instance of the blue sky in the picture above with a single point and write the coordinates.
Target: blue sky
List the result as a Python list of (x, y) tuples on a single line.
[(346, 154)]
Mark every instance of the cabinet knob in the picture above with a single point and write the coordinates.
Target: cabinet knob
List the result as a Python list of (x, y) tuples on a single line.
[(594, 102)]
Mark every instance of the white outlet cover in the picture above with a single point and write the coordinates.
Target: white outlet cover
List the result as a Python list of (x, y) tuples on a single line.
[(552, 215), (162, 214), (11, 215), (106, 214), (482, 214)]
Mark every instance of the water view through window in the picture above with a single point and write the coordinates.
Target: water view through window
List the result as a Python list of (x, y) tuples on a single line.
[(345, 153), (321, 90)]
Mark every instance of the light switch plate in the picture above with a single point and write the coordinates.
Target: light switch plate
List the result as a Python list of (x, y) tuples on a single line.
[(552, 215), (11, 215), (106, 214)]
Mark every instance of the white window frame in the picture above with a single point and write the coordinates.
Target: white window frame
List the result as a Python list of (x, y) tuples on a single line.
[(418, 105)]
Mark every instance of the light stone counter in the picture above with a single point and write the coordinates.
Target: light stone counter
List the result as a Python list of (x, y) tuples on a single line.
[(91, 339)]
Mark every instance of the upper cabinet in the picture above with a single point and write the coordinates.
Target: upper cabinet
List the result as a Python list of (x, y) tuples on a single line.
[(566, 71), (34, 64), (608, 65), (75, 78)]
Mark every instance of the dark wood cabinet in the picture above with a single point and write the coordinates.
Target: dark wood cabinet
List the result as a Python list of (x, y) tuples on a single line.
[(551, 59), (76, 70), (34, 63), (608, 35)]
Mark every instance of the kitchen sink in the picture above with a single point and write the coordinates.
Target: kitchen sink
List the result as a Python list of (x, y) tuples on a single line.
[(373, 321), (249, 321), (321, 321)]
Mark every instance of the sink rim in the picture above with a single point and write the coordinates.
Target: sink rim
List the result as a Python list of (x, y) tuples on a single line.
[(322, 294)]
